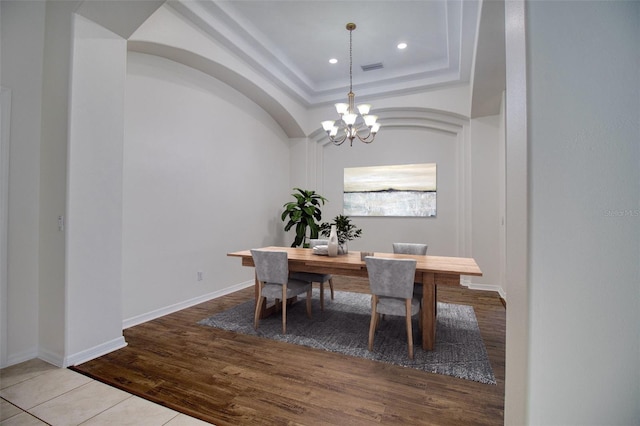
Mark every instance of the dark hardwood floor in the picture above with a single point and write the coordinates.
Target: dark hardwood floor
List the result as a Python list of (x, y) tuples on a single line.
[(229, 379)]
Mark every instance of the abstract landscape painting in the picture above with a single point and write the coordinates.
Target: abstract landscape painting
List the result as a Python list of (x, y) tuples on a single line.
[(402, 190)]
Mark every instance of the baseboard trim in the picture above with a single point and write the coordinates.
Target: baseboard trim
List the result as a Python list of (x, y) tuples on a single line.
[(95, 352), (486, 287), (139, 319), (51, 357), (20, 357)]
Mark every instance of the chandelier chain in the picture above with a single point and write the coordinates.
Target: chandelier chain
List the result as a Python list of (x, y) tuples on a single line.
[(350, 60)]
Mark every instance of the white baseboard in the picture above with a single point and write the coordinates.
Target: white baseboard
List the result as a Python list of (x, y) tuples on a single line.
[(95, 352), (20, 357), (139, 319), (119, 342), (51, 357), (61, 361), (485, 287)]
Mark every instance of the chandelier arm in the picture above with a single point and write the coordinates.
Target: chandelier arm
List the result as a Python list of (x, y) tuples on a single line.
[(366, 139), (362, 138), (338, 141)]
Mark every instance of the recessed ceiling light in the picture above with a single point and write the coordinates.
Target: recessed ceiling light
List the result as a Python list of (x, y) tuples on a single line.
[(333, 61), (402, 46)]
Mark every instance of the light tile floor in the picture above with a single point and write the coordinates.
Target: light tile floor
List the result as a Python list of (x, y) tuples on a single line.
[(37, 393)]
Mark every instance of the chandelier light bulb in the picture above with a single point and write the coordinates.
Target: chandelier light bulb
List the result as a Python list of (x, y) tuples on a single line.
[(342, 108), (364, 109), (370, 120), (327, 125), (350, 119)]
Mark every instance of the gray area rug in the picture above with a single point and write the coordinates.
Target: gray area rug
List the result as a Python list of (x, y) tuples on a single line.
[(343, 327)]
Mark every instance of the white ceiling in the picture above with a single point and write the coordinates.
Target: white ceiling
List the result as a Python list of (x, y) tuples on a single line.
[(291, 42), (304, 35)]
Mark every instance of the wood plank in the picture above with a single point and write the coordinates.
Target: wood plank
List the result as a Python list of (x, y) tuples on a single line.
[(228, 379)]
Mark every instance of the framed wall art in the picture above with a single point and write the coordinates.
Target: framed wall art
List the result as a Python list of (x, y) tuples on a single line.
[(401, 190)]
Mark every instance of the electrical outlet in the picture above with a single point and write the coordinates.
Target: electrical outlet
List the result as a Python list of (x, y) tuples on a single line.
[(200, 275)]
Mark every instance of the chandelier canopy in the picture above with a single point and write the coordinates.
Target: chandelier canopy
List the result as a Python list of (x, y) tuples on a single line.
[(351, 124)]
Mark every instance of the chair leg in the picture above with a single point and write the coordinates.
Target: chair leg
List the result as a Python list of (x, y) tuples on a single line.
[(374, 320), (284, 309), (309, 303), (322, 296), (331, 287), (409, 328), (378, 316), (258, 310)]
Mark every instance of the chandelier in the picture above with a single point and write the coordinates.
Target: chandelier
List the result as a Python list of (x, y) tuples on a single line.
[(350, 124)]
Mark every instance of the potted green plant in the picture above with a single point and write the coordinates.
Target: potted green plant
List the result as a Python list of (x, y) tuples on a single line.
[(345, 230), (303, 213)]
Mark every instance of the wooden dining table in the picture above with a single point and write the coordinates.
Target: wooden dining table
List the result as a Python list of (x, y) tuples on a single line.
[(431, 271)]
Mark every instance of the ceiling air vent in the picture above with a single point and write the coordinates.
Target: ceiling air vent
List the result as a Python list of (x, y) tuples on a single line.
[(372, 67)]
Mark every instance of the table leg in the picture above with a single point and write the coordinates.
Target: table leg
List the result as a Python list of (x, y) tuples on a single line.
[(428, 311)]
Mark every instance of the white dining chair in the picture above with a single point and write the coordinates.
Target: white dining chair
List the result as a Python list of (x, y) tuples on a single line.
[(412, 248), (391, 284), (316, 277), (272, 272)]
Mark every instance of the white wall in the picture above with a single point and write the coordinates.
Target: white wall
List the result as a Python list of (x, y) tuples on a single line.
[(206, 172), (486, 222), (94, 204), (22, 46), (516, 231), (584, 111), (53, 181)]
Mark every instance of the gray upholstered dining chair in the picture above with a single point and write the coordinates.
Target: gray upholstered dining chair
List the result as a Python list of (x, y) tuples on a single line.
[(412, 248), (391, 284), (272, 271), (316, 277)]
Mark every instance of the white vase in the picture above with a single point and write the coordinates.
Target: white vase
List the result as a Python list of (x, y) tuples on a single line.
[(332, 247)]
